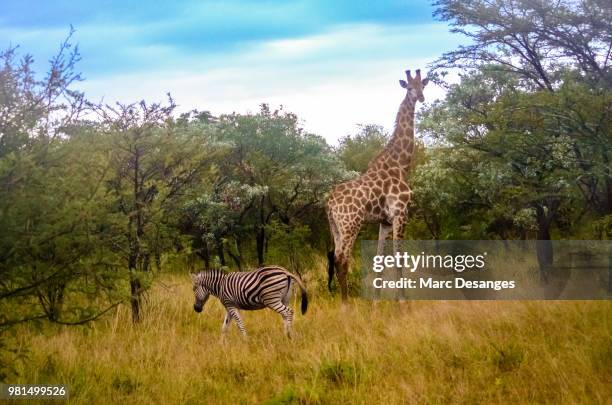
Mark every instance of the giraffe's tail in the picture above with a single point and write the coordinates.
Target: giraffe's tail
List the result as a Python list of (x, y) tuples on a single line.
[(331, 258)]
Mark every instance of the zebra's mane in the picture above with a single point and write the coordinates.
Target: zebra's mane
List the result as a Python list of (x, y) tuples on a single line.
[(204, 274)]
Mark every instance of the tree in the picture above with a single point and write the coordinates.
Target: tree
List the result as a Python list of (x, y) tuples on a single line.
[(49, 198), (535, 40), (356, 151), (273, 179), (561, 48), (155, 162), (555, 56), (518, 161)]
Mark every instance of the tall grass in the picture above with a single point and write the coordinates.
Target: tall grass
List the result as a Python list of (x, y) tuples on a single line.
[(420, 352)]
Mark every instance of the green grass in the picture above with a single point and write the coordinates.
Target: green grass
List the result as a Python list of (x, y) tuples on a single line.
[(420, 352)]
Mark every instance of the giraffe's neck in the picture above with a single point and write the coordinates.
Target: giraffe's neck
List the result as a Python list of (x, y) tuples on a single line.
[(398, 152)]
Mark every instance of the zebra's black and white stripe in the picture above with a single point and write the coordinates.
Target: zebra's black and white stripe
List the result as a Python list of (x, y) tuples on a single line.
[(265, 287)]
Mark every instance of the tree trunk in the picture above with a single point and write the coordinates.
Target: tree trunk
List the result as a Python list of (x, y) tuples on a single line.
[(134, 281), (205, 254), (607, 183), (260, 238), (52, 299), (220, 251), (608, 196), (135, 290), (134, 243), (237, 257), (544, 247), (158, 263), (610, 271)]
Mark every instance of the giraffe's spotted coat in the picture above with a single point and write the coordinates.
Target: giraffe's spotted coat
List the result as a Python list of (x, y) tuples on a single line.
[(381, 194)]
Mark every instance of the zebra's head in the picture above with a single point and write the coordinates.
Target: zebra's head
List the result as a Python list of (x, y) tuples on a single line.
[(201, 294)]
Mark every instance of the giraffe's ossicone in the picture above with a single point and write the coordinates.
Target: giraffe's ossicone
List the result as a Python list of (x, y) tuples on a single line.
[(380, 195)]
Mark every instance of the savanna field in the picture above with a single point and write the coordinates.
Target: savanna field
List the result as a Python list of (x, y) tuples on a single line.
[(139, 140), (419, 352)]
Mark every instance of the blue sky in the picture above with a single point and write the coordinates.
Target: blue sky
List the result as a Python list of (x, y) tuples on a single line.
[(334, 63)]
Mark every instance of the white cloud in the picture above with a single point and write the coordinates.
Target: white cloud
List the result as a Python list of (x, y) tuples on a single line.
[(332, 81)]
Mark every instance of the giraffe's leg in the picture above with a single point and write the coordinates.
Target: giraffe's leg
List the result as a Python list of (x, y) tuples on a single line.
[(398, 227), (398, 233), (343, 261), (383, 232), (332, 256), (343, 267), (345, 227), (333, 227), (286, 313), (233, 312)]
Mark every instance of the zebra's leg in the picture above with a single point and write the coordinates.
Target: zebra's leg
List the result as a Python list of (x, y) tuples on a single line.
[(226, 322), (286, 313), (233, 312)]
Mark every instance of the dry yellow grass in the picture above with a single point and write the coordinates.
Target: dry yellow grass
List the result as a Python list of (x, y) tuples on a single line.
[(422, 352)]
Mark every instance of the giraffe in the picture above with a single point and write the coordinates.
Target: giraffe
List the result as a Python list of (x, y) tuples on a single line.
[(380, 195)]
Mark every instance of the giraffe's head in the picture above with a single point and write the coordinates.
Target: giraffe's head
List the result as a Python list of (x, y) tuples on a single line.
[(414, 86)]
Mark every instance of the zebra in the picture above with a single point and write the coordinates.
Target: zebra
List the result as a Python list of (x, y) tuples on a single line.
[(265, 287)]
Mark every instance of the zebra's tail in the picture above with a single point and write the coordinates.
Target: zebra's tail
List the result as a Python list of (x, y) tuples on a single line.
[(304, 301), (303, 289), (331, 257)]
